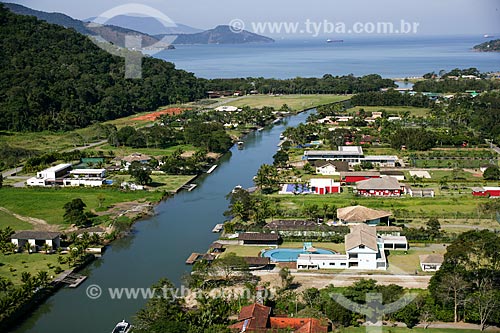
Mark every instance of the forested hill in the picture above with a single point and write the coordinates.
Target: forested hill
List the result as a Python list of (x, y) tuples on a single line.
[(54, 78), (490, 46)]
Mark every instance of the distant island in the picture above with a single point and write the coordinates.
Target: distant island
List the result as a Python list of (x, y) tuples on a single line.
[(490, 46), (222, 34)]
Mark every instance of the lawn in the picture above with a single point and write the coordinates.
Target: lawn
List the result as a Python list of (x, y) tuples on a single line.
[(7, 220), (253, 251), (47, 203), (414, 111), (168, 183), (295, 102), (157, 152), (450, 206), (406, 330), (13, 265)]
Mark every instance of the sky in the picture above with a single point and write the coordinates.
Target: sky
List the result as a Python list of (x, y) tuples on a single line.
[(434, 17)]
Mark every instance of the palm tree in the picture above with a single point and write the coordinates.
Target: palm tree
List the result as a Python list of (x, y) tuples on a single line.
[(42, 278), (46, 247), (27, 246)]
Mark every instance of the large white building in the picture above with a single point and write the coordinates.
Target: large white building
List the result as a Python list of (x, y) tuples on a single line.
[(62, 175), (85, 177), (364, 251), (352, 154)]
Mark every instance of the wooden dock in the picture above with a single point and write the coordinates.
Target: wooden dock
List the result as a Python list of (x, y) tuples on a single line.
[(212, 168), (192, 258), (73, 280), (218, 227), (189, 187)]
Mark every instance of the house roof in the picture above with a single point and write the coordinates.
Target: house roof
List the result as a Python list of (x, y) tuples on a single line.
[(257, 261), (216, 246), (136, 157), (299, 325), (252, 317), (360, 174), (37, 235), (360, 214), (392, 173), (361, 234), (257, 236), (434, 258), (385, 183)]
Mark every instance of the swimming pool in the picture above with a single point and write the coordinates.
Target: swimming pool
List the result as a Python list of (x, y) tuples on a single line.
[(290, 255)]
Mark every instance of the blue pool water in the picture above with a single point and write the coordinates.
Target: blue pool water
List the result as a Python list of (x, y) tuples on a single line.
[(288, 255)]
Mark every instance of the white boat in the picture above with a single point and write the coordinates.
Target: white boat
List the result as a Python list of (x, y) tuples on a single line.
[(236, 188), (122, 327), (329, 41), (488, 36)]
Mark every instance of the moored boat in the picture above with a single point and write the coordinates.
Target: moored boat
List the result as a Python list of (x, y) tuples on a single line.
[(122, 327)]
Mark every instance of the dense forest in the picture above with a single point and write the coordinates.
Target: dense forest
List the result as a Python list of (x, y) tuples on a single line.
[(54, 78), (328, 84), (489, 46)]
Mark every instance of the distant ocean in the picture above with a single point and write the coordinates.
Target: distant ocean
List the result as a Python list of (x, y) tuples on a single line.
[(393, 56)]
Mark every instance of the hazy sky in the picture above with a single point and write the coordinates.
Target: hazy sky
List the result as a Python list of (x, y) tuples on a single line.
[(433, 16)]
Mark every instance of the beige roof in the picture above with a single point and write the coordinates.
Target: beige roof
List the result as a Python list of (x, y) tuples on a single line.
[(361, 234), (360, 214), (385, 183), (136, 157), (434, 258)]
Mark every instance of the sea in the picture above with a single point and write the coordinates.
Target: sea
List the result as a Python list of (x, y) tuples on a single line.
[(392, 56)]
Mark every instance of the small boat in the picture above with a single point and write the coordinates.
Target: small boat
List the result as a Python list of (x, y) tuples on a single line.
[(122, 327), (236, 188), (329, 41), (487, 36)]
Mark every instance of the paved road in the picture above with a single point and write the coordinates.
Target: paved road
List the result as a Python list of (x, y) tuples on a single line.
[(11, 172), (94, 144)]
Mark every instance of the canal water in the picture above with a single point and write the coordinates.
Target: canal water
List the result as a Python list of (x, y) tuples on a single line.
[(158, 246)]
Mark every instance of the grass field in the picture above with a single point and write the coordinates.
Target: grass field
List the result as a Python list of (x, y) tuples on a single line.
[(406, 330), (166, 183), (7, 220), (157, 152), (414, 111), (13, 265), (451, 206), (47, 203), (295, 102)]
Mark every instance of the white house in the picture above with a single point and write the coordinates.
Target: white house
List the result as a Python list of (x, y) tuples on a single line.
[(36, 239), (85, 177), (431, 262), (134, 157), (364, 251), (50, 176), (324, 186)]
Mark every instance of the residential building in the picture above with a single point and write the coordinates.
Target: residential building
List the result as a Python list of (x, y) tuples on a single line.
[(330, 168), (361, 214), (134, 157), (36, 239), (420, 192), (388, 161), (258, 238), (399, 175), (256, 318), (431, 262), (364, 251), (324, 186), (487, 191), (380, 187), (62, 175), (353, 177)]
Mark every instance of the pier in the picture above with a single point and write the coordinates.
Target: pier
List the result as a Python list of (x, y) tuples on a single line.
[(73, 280), (212, 168), (189, 187), (218, 227)]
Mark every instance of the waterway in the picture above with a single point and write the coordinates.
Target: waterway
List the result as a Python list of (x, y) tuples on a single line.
[(158, 246)]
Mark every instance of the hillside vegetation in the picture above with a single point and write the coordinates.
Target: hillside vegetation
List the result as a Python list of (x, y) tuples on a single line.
[(54, 78)]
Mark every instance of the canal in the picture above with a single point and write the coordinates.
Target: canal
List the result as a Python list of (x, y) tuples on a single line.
[(158, 246)]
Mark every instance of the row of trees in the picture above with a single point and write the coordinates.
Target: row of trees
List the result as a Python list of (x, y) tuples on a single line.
[(390, 98)]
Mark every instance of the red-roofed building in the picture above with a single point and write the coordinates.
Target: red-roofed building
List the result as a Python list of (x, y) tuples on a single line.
[(252, 318), (299, 325), (256, 318)]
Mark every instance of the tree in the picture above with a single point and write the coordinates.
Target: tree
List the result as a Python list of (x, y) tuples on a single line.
[(229, 266), (433, 228), (141, 173), (74, 213), (280, 159), (286, 278), (46, 248), (492, 173), (1, 180), (267, 178), (485, 302)]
